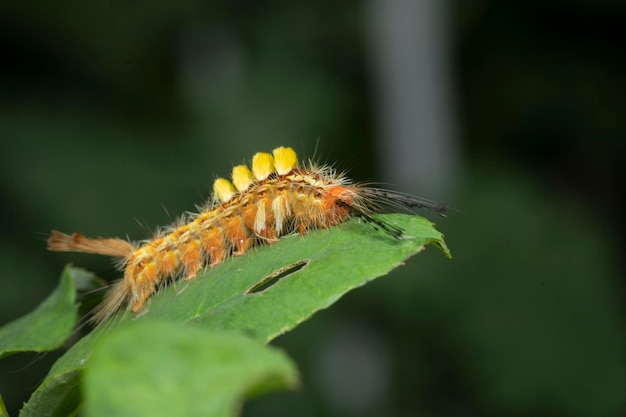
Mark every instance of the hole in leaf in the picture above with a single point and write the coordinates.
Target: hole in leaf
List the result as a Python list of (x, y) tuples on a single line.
[(273, 278)]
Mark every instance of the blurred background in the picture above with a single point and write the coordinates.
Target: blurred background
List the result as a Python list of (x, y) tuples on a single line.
[(116, 116)]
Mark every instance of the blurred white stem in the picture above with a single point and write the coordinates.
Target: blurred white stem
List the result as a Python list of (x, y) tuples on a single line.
[(417, 125)]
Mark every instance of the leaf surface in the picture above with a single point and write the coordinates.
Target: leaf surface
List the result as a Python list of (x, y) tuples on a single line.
[(228, 298), (157, 368), (46, 327), (3, 409)]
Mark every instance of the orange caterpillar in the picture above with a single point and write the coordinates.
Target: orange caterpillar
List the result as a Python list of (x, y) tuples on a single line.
[(274, 199)]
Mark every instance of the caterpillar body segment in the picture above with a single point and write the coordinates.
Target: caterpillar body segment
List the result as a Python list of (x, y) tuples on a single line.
[(274, 198)]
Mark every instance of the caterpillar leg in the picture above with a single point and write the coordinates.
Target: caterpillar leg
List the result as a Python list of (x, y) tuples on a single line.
[(192, 259), (212, 241), (236, 232), (142, 286)]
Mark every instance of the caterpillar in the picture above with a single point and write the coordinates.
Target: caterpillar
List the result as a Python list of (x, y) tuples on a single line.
[(274, 198)]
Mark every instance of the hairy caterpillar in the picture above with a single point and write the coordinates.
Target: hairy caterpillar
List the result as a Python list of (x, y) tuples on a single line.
[(274, 198)]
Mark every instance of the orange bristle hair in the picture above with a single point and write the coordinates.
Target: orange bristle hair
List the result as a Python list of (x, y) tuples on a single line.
[(273, 199)]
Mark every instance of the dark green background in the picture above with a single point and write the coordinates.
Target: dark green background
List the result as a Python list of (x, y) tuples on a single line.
[(110, 111)]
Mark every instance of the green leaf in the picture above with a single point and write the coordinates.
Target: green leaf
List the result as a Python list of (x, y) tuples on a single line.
[(335, 261), (335, 264), (59, 396), (3, 409), (155, 368), (48, 326)]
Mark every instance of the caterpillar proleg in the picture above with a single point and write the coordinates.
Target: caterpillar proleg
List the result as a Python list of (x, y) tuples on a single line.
[(272, 198)]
